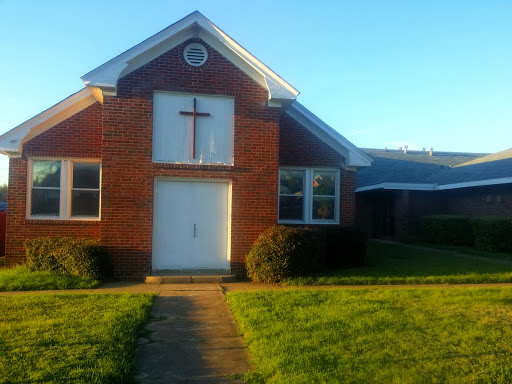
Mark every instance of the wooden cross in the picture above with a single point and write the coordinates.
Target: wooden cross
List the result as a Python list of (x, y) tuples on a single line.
[(194, 113)]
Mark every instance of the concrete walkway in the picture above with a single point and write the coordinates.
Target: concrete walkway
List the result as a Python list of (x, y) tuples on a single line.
[(192, 338)]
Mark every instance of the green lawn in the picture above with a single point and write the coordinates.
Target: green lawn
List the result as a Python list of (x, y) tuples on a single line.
[(405, 335), (70, 338), (22, 279), (470, 251), (400, 264)]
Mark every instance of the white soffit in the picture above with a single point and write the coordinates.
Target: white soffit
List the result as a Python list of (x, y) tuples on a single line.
[(12, 141), (354, 157), (196, 25)]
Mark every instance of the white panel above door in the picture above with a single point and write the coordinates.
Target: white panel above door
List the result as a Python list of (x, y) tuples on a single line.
[(173, 131)]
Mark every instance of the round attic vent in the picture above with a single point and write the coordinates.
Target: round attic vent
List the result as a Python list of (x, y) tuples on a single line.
[(195, 54)]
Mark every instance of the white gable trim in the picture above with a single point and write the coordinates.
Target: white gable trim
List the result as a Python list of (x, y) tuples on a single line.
[(479, 183), (402, 186), (106, 76), (11, 142), (354, 157), (435, 187)]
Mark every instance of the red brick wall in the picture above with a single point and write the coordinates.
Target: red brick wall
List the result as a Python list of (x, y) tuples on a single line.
[(298, 147), (410, 206), (120, 133), (480, 201), (78, 136), (127, 141)]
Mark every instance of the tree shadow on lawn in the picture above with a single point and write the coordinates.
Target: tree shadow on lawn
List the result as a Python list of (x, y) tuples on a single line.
[(401, 264)]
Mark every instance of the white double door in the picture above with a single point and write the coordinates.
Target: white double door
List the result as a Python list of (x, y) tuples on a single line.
[(190, 225)]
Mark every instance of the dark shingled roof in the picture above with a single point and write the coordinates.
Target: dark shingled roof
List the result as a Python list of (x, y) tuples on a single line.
[(440, 158), (419, 168), (498, 169)]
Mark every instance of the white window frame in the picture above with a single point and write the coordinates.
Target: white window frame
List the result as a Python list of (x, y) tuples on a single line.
[(66, 189), (307, 193)]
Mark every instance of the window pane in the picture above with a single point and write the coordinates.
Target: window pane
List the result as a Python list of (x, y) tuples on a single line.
[(85, 203), (291, 182), (46, 174), (324, 183), (323, 208), (86, 175), (45, 202), (290, 207)]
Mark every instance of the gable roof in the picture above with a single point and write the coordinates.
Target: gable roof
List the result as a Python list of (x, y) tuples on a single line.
[(506, 154), (415, 156), (354, 157), (11, 142), (103, 80), (390, 173)]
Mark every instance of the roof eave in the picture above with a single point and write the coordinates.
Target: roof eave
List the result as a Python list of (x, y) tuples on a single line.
[(398, 186), (435, 187), (354, 157), (476, 183), (11, 142)]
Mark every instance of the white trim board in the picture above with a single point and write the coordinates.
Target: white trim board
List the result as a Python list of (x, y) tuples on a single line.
[(194, 25), (354, 157), (434, 187), (11, 142)]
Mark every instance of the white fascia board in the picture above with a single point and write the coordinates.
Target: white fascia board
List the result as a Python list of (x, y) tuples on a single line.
[(479, 183), (193, 25), (354, 157), (277, 86), (402, 186), (435, 187), (11, 142)]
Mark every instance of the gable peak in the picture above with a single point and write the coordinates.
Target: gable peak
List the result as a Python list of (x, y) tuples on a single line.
[(103, 80)]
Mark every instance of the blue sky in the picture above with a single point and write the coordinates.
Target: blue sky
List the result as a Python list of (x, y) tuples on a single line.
[(383, 73)]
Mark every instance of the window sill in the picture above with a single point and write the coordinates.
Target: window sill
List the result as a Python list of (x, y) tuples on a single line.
[(59, 221), (315, 222), (198, 166)]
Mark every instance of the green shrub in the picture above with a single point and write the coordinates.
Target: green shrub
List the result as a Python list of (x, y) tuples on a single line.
[(447, 230), (493, 233), (281, 252), (68, 255)]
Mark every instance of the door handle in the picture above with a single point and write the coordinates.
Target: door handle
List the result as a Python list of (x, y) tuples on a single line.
[(194, 230)]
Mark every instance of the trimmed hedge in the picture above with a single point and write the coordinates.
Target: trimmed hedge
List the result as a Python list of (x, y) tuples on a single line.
[(447, 230), (487, 233), (493, 233), (68, 255), (282, 252)]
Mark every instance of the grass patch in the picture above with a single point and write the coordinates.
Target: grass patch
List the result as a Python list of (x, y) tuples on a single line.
[(470, 251), (70, 338), (400, 264), (20, 278), (429, 335)]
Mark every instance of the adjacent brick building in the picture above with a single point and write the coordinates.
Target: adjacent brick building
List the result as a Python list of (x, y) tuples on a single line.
[(401, 187), (177, 155)]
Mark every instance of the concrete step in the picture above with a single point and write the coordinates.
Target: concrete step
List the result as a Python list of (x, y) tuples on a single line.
[(184, 279)]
